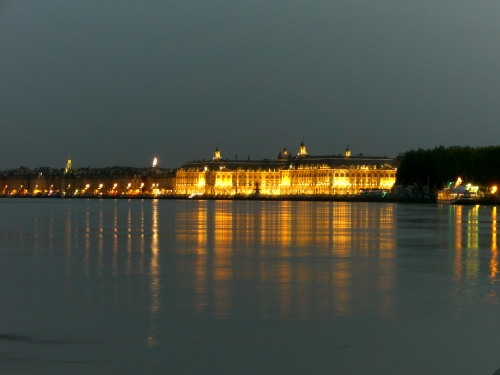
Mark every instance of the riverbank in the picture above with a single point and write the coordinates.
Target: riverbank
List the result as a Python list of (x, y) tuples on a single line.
[(321, 198), (314, 198)]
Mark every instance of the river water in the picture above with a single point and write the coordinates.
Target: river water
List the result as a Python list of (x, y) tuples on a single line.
[(247, 287)]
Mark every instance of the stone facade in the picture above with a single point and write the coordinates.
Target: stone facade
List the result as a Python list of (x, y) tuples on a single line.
[(298, 175)]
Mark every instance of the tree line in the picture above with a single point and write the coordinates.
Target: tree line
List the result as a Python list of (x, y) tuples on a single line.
[(476, 165)]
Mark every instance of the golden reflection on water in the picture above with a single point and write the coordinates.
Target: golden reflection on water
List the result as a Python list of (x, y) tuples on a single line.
[(100, 248), (467, 241), (298, 258), (455, 231), (114, 263), (222, 256), (201, 256), (141, 239), (494, 248), (472, 261), (464, 222), (128, 263), (293, 232), (154, 274)]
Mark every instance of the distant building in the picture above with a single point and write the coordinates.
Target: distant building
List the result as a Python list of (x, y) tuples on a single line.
[(113, 181), (302, 174)]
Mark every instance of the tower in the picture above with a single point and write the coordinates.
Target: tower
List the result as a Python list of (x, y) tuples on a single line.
[(69, 168), (283, 155), (347, 152), (217, 154), (302, 151)]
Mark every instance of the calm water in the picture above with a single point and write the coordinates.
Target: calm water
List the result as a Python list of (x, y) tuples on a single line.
[(195, 287)]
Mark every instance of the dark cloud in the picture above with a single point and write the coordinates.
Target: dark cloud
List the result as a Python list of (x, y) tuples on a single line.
[(120, 82)]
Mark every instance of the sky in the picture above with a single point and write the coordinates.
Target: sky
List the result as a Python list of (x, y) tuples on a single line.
[(119, 82)]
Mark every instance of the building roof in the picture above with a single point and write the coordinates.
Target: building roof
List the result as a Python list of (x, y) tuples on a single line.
[(310, 162)]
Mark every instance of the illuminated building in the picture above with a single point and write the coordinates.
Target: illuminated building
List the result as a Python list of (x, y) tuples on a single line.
[(88, 182), (302, 174)]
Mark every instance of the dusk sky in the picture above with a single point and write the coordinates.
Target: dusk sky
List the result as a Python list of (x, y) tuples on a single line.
[(120, 82)]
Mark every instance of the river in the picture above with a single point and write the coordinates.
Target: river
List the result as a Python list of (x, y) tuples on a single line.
[(247, 287)]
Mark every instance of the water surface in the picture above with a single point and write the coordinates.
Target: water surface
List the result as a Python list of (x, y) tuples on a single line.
[(246, 287)]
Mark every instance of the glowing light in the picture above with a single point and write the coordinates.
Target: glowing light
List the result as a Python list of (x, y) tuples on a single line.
[(459, 181), (494, 189), (154, 162), (201, 180), (472, 189)]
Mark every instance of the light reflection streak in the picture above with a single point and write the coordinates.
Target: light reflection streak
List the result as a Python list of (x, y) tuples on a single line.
[(468, 259), (465, 222), (128, 266), (86, 260), (285, 221), (341, 229), (100, 264), (456, 230), (292, 231), (472, 261), (201, 258), (297, 258), (201, 229), (141, 240), (472, 228), (223, 222), (154, 274), (114, 262), (494, 248)]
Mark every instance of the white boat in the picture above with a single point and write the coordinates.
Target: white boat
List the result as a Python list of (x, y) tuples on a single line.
[(457, 195)]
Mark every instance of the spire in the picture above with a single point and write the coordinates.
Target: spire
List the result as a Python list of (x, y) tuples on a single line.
[(302, 151), (217, 154), (69, 167)]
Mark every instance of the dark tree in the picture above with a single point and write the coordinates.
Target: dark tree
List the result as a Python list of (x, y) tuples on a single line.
[(441, 165)]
